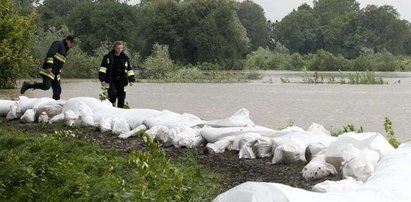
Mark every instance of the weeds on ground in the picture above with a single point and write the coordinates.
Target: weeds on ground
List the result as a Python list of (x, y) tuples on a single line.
[(346, 129), (352, 78), (390, 133), (58, 167), (104, 96)]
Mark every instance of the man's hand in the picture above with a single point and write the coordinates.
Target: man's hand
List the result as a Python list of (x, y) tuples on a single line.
[(103, 83), (131, 83), (49, 70)]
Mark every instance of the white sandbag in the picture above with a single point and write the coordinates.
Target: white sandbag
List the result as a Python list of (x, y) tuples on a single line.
[(318, 129), (313, 149), (373, 141), (14, 112), (86, 115), (28, 116), (133, 132), (43, 118), (136, 117), (241, 139), (215, 134), (5, 107), (186, 137), (246, 151), (32, 103), (173, 120), (345, 185), (70, 118), (152, 132), (252, 192), (290, 151), (317, 168), (51, 108), (362, 166), (120, 126), (241, 118), (105, 124), (263, 147), (391, 182), (219, 146), (57, 118)]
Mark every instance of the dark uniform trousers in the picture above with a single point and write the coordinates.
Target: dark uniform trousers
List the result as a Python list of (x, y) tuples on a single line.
[(47, 82), (117, 91)]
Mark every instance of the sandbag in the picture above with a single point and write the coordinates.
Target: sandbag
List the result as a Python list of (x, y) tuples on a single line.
[(215, 134), (173, 120), (57, 118), (28, 116), (362, 166), (120, 126), (317, 168), (241, 118), (345, 185), (373, 141), (133, 132), (50, 108), (43, 118), (219, 146), (5, 107)]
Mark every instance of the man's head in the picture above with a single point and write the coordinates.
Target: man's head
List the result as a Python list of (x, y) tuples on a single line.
[(69, 40), (118, 47)]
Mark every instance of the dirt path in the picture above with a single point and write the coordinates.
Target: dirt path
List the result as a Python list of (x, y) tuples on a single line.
[(228, 163)]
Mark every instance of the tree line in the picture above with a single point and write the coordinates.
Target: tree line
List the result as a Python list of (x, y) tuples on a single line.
[(207, 34)]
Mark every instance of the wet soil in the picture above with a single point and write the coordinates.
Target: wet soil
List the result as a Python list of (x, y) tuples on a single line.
[(237, 170)]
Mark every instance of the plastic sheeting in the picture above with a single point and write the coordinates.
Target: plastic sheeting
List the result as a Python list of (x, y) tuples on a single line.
[(239, 119)]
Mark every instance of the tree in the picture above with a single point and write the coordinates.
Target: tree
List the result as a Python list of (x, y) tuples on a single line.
[(343, 35), (159, 23), (252, 17), (327, 10), (93, 23), (384, 29), (298, 31), (53, 13), (16, 34), (25, 7), (213, 32)]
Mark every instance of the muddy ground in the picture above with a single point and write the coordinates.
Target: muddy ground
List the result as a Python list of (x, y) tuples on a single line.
[(228, 163)]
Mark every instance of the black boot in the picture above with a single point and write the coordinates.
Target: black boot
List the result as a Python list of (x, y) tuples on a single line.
[(24, 87)]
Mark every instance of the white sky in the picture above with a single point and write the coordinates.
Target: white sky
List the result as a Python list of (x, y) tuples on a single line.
[(277, 9)]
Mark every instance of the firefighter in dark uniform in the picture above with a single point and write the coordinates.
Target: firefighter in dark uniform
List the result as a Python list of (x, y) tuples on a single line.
[(51, 69), (115, 73)]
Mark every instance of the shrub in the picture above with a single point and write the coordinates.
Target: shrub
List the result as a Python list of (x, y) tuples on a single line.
[(16, 35), (158, 64)]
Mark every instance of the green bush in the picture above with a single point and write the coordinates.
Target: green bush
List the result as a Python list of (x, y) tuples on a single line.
[(16, 35), (58, 167), (159, 64)]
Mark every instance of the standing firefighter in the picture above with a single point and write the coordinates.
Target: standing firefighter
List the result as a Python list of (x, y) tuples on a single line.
[(51, 69), (116, 73)]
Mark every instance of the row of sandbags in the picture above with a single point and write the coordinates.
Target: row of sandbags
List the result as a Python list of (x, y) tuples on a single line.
[(355, 155), (391, 182)]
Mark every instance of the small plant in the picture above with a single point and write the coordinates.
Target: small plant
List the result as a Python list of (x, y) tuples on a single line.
[(390, 133), (104, 96), (285, 80), (346, 129)]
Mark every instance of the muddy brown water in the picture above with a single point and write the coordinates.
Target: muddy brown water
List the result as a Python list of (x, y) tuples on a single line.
[(271, 103)]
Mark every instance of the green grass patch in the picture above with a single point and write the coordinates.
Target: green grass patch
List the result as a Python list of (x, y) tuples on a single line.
[(59, 167)]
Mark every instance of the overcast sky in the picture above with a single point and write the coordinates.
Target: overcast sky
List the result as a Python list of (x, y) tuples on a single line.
[(277, 9)]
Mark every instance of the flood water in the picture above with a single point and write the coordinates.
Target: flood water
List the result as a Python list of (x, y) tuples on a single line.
[(271, 103)]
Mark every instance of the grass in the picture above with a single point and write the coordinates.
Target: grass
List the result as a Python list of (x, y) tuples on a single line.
[(352, 78), (387, 126), (214, 76), (60, 167)]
